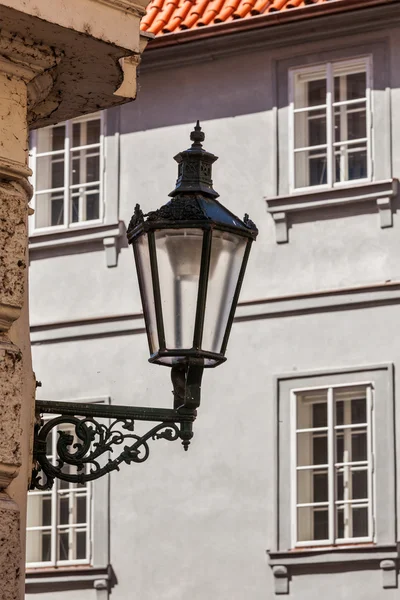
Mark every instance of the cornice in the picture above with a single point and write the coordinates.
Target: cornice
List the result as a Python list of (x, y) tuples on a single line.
[(263, 33), (126, 6), (24, 58)]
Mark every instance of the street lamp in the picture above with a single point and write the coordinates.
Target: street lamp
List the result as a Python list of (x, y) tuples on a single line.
[(191, 256)]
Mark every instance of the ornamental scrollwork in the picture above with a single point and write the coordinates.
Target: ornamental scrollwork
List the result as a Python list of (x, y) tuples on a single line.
[(83, 445)]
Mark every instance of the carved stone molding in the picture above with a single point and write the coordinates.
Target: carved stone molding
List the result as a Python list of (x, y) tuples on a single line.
[(13, 242), (35, 64), (8, 314), (10, 558), (10, 408)]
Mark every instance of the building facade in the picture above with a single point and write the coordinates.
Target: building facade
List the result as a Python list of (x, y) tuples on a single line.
[(290, 484), (58, 60)]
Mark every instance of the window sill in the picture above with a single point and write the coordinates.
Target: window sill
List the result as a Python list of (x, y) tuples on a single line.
[(53, 579), (285, 564), (380, 192), (49, 243)]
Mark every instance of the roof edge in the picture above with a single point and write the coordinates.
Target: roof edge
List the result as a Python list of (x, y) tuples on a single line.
[(260, 21)]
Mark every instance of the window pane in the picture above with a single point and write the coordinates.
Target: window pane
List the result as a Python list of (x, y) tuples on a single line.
[(310, 168), (340, 522), (312, 409), (359, 410), (93, 168), (320, 449), (312, 449), (63, 517), (321, 524), (340, 483), (310, 93), (46, 510), (359, 446), (49, 210), (93, 131), (316, 92), (312, 486), (76, 135), (50, 139), (319, 414), (350, 123), (359, 484), (80, 545), (310, 128), (360, 522), (49, 172), (317, 168), (92, 205), (339, 413), (63, 545), (81, 503), (57, 210), (75, 209), (57, 173), (357, 164), (312, 523), (39, 510), (350, 87), (76, 170), (320, 481), (85, 204), (38, 546), (351, 163), (85, 166), (340, 456), (356, 85)]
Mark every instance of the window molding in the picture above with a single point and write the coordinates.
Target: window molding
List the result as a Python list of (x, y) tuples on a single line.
[(381, 376), (327, 111), (378, 49), (98, 574), (285, 565), (107, 233), (110, 237), (380, 192)]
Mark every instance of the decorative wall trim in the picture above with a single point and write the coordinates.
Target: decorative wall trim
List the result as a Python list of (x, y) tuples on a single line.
[(389, 573), (380, 192), (281, 579), (266, 308), (50, 580), (82, 237), (284, 564)]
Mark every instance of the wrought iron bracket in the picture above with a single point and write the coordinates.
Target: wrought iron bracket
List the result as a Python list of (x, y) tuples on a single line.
[(84, 443)]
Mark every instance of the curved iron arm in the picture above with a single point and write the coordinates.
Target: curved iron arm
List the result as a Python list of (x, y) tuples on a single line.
[(84, 442)]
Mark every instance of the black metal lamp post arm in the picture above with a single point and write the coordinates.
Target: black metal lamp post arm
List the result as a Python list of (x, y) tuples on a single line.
[(83, 440)]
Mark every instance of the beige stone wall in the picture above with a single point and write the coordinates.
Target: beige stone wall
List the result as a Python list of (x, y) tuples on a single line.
[(16, 377)]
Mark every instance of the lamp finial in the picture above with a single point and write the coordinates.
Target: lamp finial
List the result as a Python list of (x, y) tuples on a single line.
[(197, 136)]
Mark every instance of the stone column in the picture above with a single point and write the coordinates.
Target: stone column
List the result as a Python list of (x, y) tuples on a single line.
[(25, 75)]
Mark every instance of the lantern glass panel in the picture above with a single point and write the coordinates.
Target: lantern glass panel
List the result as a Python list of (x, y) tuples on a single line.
[(142, 254), (227, 253), (179, 258)]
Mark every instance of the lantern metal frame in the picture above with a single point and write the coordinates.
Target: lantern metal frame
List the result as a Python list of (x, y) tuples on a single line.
[(179, 220), (99, 430)]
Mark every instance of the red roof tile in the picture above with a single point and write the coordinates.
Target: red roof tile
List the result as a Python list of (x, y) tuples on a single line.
[(172, 16)]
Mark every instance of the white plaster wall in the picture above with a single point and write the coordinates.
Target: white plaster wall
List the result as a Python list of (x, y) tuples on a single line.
[(196, 525)]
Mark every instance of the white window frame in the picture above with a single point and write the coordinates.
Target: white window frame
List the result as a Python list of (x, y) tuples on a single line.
[(327, 68), (332, 540), (66, 152), (55, 527)]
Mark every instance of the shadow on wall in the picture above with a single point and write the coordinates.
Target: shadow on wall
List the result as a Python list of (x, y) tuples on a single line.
[(227, 86)]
